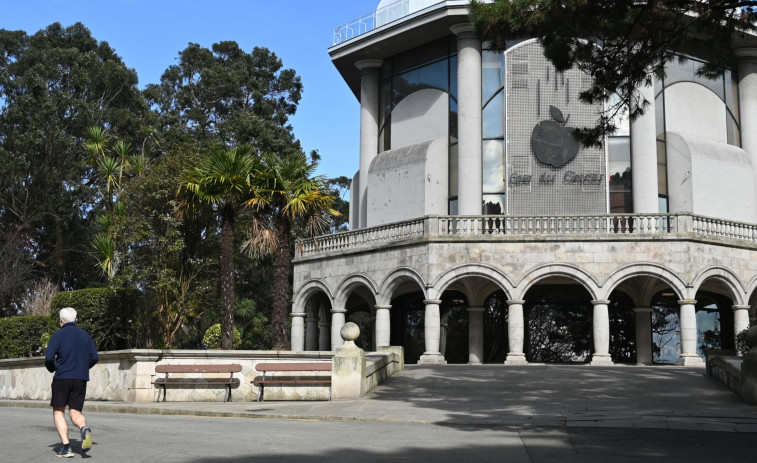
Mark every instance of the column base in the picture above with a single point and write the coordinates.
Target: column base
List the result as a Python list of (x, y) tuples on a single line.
[(601, 360), (516, 359), (432, 359), (690, 361)]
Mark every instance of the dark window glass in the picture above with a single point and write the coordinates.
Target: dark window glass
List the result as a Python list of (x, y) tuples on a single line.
[(494, 116), (420, 56), (452, 120), (662, 169), (619, 169), (493, 205), (434, 75), (732, 93), (453, 76), (452, 166), (732, 128)]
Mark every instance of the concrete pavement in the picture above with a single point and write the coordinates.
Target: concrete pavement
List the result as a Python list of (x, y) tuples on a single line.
[(658, 397)]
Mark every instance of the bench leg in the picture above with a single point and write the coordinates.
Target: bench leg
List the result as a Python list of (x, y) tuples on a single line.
[(260, 392), (227, 397)]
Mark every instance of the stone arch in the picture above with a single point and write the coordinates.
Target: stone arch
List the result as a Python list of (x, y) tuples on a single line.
[(355, 282), (470, 270), (306, 291), (648, 269), (390, 283), (565, 270), (728, 278)]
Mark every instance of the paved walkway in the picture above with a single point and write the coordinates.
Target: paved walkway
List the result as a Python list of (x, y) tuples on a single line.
[(495, 396)]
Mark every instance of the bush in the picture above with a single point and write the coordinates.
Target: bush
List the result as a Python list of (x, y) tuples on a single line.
[(212, 338), (742, 346), (107, 314), (22, 336)]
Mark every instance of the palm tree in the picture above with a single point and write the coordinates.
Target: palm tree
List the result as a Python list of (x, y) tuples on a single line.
[(223, 181), (286, 193)]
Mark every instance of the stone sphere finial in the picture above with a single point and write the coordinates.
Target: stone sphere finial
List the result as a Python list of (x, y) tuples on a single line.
[(350, 332)]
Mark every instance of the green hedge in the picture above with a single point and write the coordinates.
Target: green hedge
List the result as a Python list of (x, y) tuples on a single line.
[(21, 336), (107, 314)]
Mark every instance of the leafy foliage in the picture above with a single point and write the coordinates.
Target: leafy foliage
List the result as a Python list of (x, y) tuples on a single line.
[(621, 44), (212, 338), (21, 336), (107, 314)]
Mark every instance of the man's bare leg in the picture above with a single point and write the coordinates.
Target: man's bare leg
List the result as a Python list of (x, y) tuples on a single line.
[(77, 418), (59, 417)]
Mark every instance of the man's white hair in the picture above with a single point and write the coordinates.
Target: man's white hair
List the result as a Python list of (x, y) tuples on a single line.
[(68, 314)]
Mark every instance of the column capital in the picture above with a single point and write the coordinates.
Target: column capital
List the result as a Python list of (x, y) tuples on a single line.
[(298, 314), (432, 301), (368, 65), (740, 307), (475, 309), (600, 302), (642, 309), (464, 31), (746, 54), (515, 302), (687, 301), (338, 310), (382, 307)]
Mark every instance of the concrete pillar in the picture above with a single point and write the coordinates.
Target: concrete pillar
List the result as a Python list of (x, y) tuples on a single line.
[(600, 323), (688, 319), (644, 156), (643, 336), (337, 322), (324, 335), (432, 332), (369, 127), (740, 321), (747, 58), (298, 331), (349, 366), (515, 333), (311, 333), (383, 325), (469, 144), (475, 335)]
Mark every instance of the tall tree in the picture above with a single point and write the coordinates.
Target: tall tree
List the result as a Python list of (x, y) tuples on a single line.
[(53, 86), (622, 44), (227, 95), (223, 181), (287, 192)]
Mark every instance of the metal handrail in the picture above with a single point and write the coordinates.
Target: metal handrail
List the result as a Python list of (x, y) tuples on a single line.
[(384, 15)]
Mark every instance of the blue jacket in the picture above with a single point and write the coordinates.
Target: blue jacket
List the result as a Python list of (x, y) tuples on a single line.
[(71, 353)]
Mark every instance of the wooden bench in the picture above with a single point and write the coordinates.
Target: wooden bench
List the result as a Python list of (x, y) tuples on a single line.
[(289, 368), (229, 368)]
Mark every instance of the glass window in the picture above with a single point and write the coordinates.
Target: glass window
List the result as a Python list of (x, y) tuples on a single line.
[(453, 170), (494, 117), (733, 132), (493, 205), (620, 120), (659, 107), (432, 75), (492, 68), (453, 206), (662, 204), (421, 55), (732, 93), (452, 120), (493, 166), (453, 76), (662, 169), (619, 163)]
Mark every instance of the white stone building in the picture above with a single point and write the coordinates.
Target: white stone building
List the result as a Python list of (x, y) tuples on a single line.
[(480, 231)]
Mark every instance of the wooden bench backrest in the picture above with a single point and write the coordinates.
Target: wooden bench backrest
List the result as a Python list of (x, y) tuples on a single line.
[(227, 368), (301, 366)]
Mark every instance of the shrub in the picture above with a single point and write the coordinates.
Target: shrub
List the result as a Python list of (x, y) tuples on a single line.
[(742, 346), (22, 336), (212, 338), (107, 314)]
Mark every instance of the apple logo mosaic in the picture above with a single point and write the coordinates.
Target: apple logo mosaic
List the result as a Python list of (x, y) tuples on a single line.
[(553, 142)]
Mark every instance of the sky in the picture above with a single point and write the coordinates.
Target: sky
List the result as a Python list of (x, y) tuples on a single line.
[(148, 35)]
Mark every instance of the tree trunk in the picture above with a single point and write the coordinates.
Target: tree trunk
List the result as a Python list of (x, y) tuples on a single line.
[(282, 269), (227, 277)]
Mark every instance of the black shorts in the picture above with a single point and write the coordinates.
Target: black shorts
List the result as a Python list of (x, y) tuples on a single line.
[(69, 392)]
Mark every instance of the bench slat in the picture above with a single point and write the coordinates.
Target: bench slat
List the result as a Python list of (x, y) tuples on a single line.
[(217, 368), (302, 366), (292, 381)]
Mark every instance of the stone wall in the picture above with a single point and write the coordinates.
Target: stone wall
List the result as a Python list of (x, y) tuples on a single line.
[(127, 375)]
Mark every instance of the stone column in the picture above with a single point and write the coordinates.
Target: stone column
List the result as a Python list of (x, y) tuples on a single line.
[(643, 336), (369, 127), (311, 333), (600, 322), (740, 320), (469, 144), (298, 331), (644, 156), (475, 335), (747, 58), (688, 319), (337, 322), (432, 332), (383, 325), (324, 335), (349, 366), (515, 333)]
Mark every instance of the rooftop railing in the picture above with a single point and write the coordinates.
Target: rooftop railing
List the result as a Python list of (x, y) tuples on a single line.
[(498, 227), (378, 18)]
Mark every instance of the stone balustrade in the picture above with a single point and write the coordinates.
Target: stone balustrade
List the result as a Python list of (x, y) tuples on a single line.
[(504, 228)]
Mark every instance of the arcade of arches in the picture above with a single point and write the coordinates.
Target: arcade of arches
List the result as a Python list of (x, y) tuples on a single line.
[(555, 314)]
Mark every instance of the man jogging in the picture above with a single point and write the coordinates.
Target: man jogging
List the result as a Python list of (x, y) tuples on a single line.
[(70, 354)]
